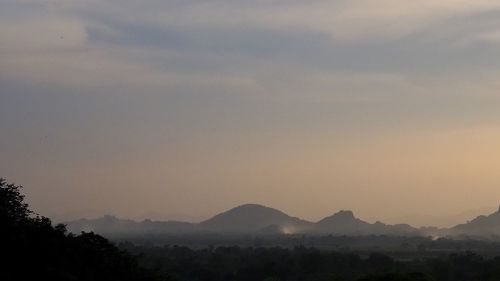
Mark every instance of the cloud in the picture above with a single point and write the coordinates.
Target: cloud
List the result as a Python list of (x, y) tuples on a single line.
[(405, 37), (348, 20), (331, 50)]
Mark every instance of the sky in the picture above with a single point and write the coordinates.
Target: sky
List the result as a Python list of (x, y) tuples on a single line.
[(180, 109)]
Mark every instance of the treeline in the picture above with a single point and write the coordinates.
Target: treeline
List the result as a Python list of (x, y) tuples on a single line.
[(302, 263), (33, 249), (400, 246)]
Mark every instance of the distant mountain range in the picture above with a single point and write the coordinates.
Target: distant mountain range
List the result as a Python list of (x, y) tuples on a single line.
[(480, 226), (258, 219)]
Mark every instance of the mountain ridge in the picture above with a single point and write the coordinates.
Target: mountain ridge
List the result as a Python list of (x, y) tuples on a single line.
[(479, 226), (256, 218)]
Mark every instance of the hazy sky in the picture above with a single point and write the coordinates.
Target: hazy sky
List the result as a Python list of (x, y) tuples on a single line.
[(189, 107)]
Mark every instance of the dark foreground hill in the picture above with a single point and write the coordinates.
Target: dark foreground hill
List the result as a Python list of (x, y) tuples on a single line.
[(32, 249)]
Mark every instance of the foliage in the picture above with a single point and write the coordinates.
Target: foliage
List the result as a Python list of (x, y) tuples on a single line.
[(33, 249), (310, 264), (13, 210)]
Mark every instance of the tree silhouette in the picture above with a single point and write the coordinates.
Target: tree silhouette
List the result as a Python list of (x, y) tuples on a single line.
[(33, 249), (13, 210)]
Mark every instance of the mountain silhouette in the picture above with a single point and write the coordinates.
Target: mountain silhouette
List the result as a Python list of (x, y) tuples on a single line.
[(258, 219), (345, 223), (247, 218), (114, 225), (480, 226), (254, 217)]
